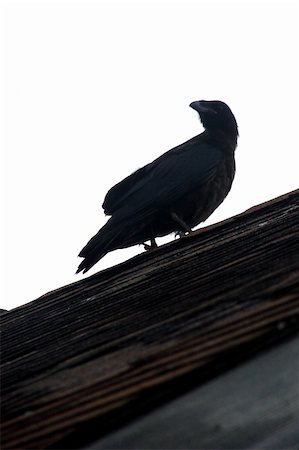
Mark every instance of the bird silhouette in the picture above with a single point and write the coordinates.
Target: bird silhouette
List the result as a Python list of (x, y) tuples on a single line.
[(175, 192)]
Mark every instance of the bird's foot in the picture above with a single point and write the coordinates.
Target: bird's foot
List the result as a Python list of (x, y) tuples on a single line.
[(181, 234), (150, 246), (185, 227)]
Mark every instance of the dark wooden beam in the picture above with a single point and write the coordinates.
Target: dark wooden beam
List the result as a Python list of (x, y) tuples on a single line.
[(252, 406), (84, 359)]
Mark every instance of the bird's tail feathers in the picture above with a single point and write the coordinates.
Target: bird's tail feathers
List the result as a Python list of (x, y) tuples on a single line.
[(98, 246)]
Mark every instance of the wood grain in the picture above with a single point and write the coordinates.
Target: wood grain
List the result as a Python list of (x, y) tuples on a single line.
[(252, 406), (84, 359)]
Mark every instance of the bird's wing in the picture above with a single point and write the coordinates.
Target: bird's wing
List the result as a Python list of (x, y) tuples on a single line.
[(117, 195), (170, 178)]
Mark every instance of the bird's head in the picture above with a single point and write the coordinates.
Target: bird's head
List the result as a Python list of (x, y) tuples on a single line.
[(216, 116)]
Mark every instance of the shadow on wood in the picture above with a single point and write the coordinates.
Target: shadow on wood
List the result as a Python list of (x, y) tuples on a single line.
[(83, 360), (253, 406)]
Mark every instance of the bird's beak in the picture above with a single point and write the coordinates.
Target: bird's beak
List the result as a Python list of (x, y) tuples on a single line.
[(199, 107)]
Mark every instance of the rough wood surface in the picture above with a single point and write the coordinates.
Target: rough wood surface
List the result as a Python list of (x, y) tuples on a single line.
[(253, 406), (85, 358)]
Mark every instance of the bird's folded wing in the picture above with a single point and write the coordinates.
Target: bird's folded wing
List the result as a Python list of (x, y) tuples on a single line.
[(118, 193), (165, 181)]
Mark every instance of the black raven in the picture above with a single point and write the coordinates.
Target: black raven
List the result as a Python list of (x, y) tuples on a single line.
[(175, 192)]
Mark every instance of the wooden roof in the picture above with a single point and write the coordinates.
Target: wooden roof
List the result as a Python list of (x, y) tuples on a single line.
[(84, 359), (254, 405)]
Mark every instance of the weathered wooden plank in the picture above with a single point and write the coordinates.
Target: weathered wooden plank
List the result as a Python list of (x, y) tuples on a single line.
[(253, 406), (88, 356)]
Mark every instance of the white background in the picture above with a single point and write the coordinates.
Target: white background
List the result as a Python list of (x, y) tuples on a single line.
[(93, 90)]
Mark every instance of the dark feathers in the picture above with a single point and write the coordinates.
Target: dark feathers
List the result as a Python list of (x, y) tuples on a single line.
[(175, 192)]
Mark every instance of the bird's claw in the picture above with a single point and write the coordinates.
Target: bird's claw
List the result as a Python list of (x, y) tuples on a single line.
[(150, 246), (181, 234)]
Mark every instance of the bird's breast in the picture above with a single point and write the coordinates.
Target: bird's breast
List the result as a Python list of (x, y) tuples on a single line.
[(202, 202)]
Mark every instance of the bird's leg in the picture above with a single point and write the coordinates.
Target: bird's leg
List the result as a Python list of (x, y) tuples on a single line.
[(153, 243), (178, 220), (152, 246), (180, 234)]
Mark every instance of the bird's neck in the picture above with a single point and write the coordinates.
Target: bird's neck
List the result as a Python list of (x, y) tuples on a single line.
[(223, 138)]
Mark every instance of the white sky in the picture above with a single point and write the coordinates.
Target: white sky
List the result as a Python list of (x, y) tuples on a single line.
[(93, 90)]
